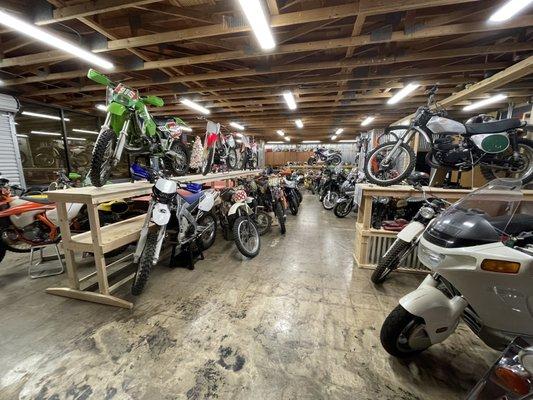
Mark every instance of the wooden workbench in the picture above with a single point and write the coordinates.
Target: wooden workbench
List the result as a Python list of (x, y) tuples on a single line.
[(100, 240)]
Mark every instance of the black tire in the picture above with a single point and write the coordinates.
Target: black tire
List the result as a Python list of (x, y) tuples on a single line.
[(489, 174), (401, 322), (342, 209), (311, 161), (3, 251), (336, 159), (280, 215), (26, 247), (238, 228), (45, 159), (263, 222), (293, 205), (145, 264), (101, 167), (206, 167), (208, 240), (390, 261), (232, 158), (244, 160), (178, 165), (387, 137), (327, 201), (299, 195), (400, 177)]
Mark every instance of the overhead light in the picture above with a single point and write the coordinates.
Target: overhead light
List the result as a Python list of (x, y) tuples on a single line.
[(237, 126), (101, 107), (403, 93), (310, 141), (334, 137), (238, 140), (508, 10), (45, 133), (485, 102), (47, 116), (339, 131), (85, 131), (185, 128), (274, 142), (257, 20), (289, 99), (280, 132), (367, 121), (22, 135), (1, 82), (348, 141), (76, 138), (238, 134), (195, 106), (52, 40), (287, 139), (299, 123)]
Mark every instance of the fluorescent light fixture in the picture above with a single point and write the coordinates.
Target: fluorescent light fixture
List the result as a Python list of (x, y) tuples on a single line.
[(485, 102), (310, 141), (367, 121), (334, 137), (1, 82), (21, 135), (299, 123), (47, 116), (195, 106), (237, 125), (274, 142), (289, 99), (76, 138), (404, 92), (280, 132), (85, 131), (101, 107), (287, 139), (239, 134), (508, 10), (348, 141), (45, 133), (257, 20), (42, 35), (339, 131), (185, 128)]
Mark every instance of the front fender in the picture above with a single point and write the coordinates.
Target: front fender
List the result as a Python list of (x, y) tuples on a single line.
[(233, 209), (411, 231), (440, 314)]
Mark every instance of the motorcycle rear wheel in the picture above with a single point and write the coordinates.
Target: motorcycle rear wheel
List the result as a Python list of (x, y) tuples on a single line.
[(145, 264), (177, 164), (263, 222), (525, 147), (280, 215), (378, 177), (207, 238), (246, 236), (329, 200), (342, 209), (101, 163)]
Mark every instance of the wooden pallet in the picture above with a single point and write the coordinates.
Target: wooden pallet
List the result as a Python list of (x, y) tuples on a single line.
[(100, 240)]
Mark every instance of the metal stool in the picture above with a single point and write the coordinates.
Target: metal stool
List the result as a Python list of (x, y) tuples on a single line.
[(35, 272)]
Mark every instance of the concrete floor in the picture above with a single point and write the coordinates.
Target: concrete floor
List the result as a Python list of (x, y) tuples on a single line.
[(297, 322)]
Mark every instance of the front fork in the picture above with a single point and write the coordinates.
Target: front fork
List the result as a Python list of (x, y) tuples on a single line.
[(123, 135), (392, 154), (144, 233)]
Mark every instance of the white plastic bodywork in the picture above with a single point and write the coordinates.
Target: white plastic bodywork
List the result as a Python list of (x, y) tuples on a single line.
[(161, 214), (233, 209), (207, 202), (24, 219), (166, 186), (411, 232), (445, 125), (73, 209), (440, 314)]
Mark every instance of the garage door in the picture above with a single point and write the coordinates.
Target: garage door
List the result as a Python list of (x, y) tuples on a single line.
[(10, 164)]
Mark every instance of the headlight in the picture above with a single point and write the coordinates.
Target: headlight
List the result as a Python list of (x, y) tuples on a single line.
[(426, 212), (429, 258)]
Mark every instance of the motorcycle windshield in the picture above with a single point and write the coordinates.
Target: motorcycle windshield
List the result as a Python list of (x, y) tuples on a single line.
[(486, 215)]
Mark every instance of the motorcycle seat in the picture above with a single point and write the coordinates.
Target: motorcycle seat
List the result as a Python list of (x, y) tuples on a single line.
[(519, 223), (192, 197), (37, 199), (493, 126)]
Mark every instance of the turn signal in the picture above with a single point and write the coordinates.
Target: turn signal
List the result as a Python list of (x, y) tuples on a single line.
[(513, 381), (505, 267)]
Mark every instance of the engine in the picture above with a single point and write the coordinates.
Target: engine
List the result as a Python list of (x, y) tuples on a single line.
[(35, 232), (450, 152)]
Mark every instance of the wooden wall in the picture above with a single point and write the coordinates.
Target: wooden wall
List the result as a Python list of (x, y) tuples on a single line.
[(283, 157)]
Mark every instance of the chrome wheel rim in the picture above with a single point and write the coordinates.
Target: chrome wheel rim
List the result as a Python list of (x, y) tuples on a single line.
[(413, 337), (248, 236), (396, 167), (526, 153)]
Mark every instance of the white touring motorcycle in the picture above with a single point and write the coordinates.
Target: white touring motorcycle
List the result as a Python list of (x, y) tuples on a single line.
[(185, 220), (480, 252)]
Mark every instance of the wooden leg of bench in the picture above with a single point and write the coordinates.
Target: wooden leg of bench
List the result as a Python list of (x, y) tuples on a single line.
[(90, 296)]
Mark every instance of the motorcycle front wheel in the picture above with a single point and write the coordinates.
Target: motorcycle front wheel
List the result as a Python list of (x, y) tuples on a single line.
[(145, 264), (207, 162), (330, 200), (399, 168), (525, 172), (101, 162), (177, 163), (404, 334), (246, 236), (342, 209), (280, 215), (293, 205), (391, 260), (232, 158)]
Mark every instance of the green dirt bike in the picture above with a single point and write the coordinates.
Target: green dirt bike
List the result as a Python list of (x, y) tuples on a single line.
[(129, 125)]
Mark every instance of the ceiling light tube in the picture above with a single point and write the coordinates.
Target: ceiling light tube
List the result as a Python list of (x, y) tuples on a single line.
[(45, 133), (334, 137), (195, 106), (348, 141), (274, 142), (402, 93), (289, 99), (84, 131), (287, 139), (367, 121), (280, 132), (49, 39), (508, 10), (257, 20), (237, 125), (310, 141), (76, 138), (482, 103), (299, 123), (47, 116), (339, 131), (22, 135)]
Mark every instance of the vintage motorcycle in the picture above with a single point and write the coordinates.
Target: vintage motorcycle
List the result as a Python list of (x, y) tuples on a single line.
[(326, 155), (184, 219), (218, 148), (292, 194), (330, 190), (480, 253), (128, 125), (497, 147), (346, 202), (248, 153)]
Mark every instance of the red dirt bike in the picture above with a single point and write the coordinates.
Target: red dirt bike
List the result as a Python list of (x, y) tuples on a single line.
[(218, 148)]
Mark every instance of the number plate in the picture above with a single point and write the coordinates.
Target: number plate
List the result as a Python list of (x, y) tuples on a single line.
[(126, 91)]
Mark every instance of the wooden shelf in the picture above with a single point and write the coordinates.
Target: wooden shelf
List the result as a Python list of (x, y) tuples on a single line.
[(374, 232), (113, 236)]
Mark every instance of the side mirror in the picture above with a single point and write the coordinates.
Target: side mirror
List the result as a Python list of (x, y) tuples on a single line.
[(154, 101), (97, 77)]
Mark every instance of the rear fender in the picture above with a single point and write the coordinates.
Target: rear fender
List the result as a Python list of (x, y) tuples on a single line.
[(233, 209), (440, 314)]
